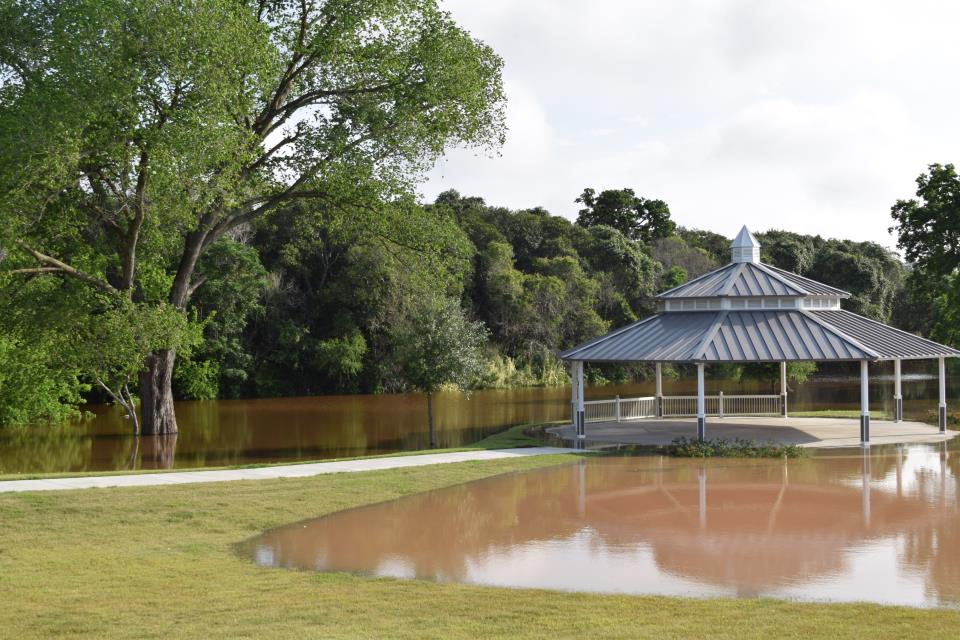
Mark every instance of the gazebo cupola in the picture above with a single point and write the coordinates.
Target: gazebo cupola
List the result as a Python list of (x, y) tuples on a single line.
[(748, 284), (745, 247), (748, 311)]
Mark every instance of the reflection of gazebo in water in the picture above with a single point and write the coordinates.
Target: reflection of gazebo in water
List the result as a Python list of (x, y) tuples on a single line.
[(749, 526), (746, 312)]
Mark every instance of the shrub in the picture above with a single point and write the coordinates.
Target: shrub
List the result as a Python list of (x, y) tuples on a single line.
[(738, 448)]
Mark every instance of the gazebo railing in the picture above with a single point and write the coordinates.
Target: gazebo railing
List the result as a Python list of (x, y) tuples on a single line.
[(621, 409)]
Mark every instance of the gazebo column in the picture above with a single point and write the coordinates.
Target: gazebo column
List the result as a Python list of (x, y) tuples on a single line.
[(658, 396), (701, 405), (783, 389), (943, 396), (897, 393), (577, 408), (864, 402)]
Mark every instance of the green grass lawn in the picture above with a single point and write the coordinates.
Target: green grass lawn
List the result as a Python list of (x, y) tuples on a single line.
[(159, 562)]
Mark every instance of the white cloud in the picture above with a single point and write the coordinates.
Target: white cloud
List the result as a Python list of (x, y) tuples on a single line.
[(807, 115)]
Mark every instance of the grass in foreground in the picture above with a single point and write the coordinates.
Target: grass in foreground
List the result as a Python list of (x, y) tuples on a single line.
[(158, 562)]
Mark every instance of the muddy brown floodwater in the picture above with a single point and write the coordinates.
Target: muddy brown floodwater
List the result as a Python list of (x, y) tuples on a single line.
[(230, 432), (881, 527)]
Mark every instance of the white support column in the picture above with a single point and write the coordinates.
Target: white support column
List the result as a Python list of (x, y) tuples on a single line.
[(581, 407), (578, 408), (783, 389), (897, 393), (618, 407), (701, 405), (658, 399), (864, 402), (943, 396)]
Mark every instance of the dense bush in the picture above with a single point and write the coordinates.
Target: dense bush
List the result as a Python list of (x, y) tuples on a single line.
[(737, 448)]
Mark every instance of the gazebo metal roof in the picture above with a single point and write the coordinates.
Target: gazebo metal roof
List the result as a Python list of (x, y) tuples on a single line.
[(748, 311), (746, 279)]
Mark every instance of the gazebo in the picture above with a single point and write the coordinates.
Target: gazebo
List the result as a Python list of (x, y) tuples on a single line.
[(744, 312)]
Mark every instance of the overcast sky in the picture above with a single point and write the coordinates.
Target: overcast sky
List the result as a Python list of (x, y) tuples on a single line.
[(812, 116)]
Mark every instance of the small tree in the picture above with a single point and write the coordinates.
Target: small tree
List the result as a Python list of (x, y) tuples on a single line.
[(438, 346)]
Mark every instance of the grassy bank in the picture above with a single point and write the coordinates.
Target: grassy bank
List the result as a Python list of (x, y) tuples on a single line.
[(159, 562)]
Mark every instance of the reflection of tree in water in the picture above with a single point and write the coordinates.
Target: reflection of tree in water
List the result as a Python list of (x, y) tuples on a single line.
[(749, 525), (44, 449), (936, 551)]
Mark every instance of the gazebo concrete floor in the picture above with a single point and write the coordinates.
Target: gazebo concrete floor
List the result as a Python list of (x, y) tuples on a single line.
[(805, 432)]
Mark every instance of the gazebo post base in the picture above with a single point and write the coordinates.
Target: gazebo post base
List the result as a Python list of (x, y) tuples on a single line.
[(701, 429), (865, 430)]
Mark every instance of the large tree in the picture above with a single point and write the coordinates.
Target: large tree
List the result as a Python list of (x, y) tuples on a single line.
[(136, 134), (928, 229)]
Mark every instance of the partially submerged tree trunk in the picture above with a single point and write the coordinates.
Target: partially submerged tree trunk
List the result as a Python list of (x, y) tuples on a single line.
[(156, 395), (433, 438)]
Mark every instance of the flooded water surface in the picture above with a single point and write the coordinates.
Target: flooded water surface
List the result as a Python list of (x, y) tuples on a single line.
[(883, 528), (231, 432)]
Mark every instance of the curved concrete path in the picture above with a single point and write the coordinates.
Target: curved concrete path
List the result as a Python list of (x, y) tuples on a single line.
[(814, 432), (263, 473)]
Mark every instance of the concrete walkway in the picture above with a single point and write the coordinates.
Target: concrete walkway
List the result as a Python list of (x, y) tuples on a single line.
[(805, 432), (263, 473)]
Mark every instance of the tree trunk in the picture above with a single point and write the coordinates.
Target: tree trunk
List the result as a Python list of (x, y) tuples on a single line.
[(433, 438), (156, 395)]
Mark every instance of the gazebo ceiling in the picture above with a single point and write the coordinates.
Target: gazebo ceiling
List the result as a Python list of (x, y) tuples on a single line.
[(748, 311)]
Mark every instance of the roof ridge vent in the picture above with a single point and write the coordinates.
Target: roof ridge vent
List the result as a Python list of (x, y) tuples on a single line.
[(745, 247)]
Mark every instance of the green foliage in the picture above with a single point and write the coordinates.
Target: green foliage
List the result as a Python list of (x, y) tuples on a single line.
[(115, 341), (737, 448), (197, 379), (674, 277), (928, 231), (140, 139), (438, 346), (39, 382), (869, 272), (504, 372), (342, 358), (928, 227), (30, 390), (797, 372), (635, 217)]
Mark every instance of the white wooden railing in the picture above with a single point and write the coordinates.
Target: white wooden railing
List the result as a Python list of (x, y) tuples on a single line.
[(621, 409)]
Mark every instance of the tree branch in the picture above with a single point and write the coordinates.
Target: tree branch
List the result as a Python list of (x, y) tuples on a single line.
[(63, 267)]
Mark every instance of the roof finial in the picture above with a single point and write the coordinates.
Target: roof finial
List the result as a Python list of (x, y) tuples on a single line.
[(745, 247)]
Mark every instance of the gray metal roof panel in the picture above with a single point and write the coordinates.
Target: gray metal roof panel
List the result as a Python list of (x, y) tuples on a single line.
[(811, 287), (702, 286), (738, 279), (774, 336), (725, 336), (664, 337), (884, 340)]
